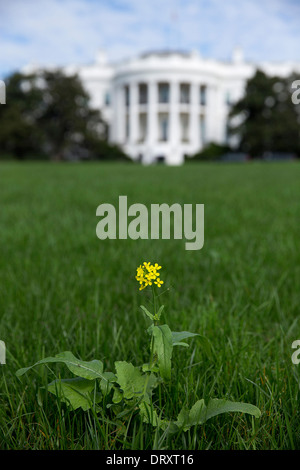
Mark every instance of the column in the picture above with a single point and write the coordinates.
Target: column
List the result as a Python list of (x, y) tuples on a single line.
[(118, 133), (174, 131), (133, 114), (152, 120), (194, 130), (210, 115)]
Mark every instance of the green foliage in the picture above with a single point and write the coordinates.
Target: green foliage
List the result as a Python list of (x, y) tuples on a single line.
[(88, 370), (178, 336), (100, 149), (131, 388), (19, 134), (200, 412), (212, 151), (162, 348), (48, 115), (267, 119), (63, 290), (131, 381), (76, 392)]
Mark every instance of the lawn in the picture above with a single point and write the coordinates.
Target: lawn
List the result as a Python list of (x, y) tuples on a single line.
[(63, 289)]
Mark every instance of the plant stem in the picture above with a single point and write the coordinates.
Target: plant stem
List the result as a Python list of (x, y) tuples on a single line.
[(154, 299)]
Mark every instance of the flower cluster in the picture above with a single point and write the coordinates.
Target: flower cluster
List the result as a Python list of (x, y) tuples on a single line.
[(148, 273)]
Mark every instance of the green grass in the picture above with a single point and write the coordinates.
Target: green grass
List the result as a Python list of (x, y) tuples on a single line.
[(61, 288)]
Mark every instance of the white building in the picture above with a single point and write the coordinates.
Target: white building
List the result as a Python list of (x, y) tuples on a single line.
[(163, 105)]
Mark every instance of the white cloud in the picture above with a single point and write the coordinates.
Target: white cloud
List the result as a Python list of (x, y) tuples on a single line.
[(70, 31)]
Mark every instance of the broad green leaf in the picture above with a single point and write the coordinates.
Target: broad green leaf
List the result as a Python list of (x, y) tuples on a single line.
[(181, 343), (200, 413), (148, 368), (151, 383), (132, 383), (183, 419), (130, 379), (117, 396), (216, 407), (88, 370), (178, 336), (195, 414), (147, 312), (76, 392), (163, 347), (106, 383), (115, 408)]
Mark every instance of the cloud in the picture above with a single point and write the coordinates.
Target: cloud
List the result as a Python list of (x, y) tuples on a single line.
[(60, 32)]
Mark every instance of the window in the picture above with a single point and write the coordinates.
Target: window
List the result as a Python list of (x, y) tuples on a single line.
[(127, 95), (142, 127), (184, 93), (228, 98), (202, 129), (163, 93), (184, 124), (107, 99), (127, 126), (203, 95), (143, 93), (163, 119)]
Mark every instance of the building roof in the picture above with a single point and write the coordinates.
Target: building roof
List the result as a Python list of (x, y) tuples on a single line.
[(166, 53)]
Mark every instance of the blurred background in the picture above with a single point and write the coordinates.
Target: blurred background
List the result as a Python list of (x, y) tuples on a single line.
[(167, 82), (164, 101)]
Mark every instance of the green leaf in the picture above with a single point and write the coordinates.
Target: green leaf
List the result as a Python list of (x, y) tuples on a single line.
[(158, 314), (148, 414), (200, 413), (183, 420), (216, 407), (163, 347), (148, 368), (106, 383), (117, 396), (178, 336), (130, 379), (194, 416), (88, 370), (75, 392), (147, 312), (151, 383)]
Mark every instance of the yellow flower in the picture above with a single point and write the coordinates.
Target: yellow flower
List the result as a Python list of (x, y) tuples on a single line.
[(158, 282), (147, 266), (146, 273)]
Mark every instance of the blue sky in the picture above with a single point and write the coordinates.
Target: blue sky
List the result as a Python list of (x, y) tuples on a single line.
[(60, 32)]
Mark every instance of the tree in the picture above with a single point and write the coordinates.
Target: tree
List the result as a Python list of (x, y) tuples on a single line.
[(18, 133), (212, 151), (48, 115), (268, 120), (68, 123)]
